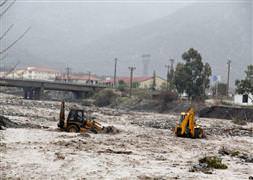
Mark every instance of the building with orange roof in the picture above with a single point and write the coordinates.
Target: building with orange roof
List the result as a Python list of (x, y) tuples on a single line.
[(143, 82)]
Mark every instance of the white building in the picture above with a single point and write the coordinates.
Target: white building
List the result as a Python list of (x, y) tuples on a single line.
[(34, 73), (79, 79), (243, 99), (84, 79)]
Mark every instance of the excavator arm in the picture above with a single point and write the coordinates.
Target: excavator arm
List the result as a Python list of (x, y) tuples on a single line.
[(62, 115), (188, 122)]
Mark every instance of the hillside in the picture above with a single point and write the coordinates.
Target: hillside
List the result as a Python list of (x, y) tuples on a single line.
[(219, 31)]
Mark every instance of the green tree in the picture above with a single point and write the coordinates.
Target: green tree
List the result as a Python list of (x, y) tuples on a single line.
[(192, 76), (219, 89), (136, 84), (180, 78), (105, 98), (222, 89), (245, 86), (170, 78), (122, 85)]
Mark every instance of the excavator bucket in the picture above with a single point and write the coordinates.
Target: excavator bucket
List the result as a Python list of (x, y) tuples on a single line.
[(93, 126)]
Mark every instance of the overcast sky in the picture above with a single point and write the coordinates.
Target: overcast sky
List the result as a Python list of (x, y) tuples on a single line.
[(91, 20)]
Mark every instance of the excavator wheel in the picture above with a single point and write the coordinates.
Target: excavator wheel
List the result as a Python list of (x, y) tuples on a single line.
[(198, 133), (178, 132), (73, 129)]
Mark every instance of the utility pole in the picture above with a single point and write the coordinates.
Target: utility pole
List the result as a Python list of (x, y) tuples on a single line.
[(131, 79), (68, 69), (168, 75), (171, 73), (89, 74), (154, 81), (228, 63), (172, 67), (115, 72)]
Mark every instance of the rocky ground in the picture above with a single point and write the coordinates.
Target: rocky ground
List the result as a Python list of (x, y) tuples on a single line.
[(145, 148)]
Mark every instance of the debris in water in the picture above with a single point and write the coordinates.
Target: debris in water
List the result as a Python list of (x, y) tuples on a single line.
[(110, 130), (115, 152)]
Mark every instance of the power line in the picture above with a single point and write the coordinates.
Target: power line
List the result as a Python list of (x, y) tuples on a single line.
[(14, 42), (6, 32), (3, 3), (7, 8)]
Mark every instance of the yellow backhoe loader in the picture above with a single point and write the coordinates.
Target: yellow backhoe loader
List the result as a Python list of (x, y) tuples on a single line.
[(78, 121), (187, 126)]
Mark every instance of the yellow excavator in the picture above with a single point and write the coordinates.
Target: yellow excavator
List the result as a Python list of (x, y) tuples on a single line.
[(78, 121), (187, 125)]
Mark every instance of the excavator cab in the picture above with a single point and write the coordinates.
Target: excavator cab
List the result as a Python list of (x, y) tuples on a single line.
[(187, 127), (77, 121)]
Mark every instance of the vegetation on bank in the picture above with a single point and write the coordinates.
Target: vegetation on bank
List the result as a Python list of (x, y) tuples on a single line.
[(105, 98), (245, 86)]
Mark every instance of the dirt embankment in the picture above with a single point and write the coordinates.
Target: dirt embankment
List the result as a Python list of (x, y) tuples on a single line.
[(218, 112), (156, 105), (223, 112), (7, 123)]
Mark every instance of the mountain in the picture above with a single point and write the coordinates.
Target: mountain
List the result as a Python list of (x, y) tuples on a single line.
[(217, 30)]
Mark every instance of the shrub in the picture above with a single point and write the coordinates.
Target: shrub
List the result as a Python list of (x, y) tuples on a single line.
[(122, 85), (213, 162), (166, 97), (105, 98)]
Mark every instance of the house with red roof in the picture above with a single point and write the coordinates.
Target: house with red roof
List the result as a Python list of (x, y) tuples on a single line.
[(143, 82)]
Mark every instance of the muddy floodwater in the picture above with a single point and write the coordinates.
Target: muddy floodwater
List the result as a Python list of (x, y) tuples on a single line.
[(145, 147)]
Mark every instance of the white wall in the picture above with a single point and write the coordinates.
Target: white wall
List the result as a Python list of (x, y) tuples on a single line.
[(37, 75), (238, 99), (32, 74), (84, 81)]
